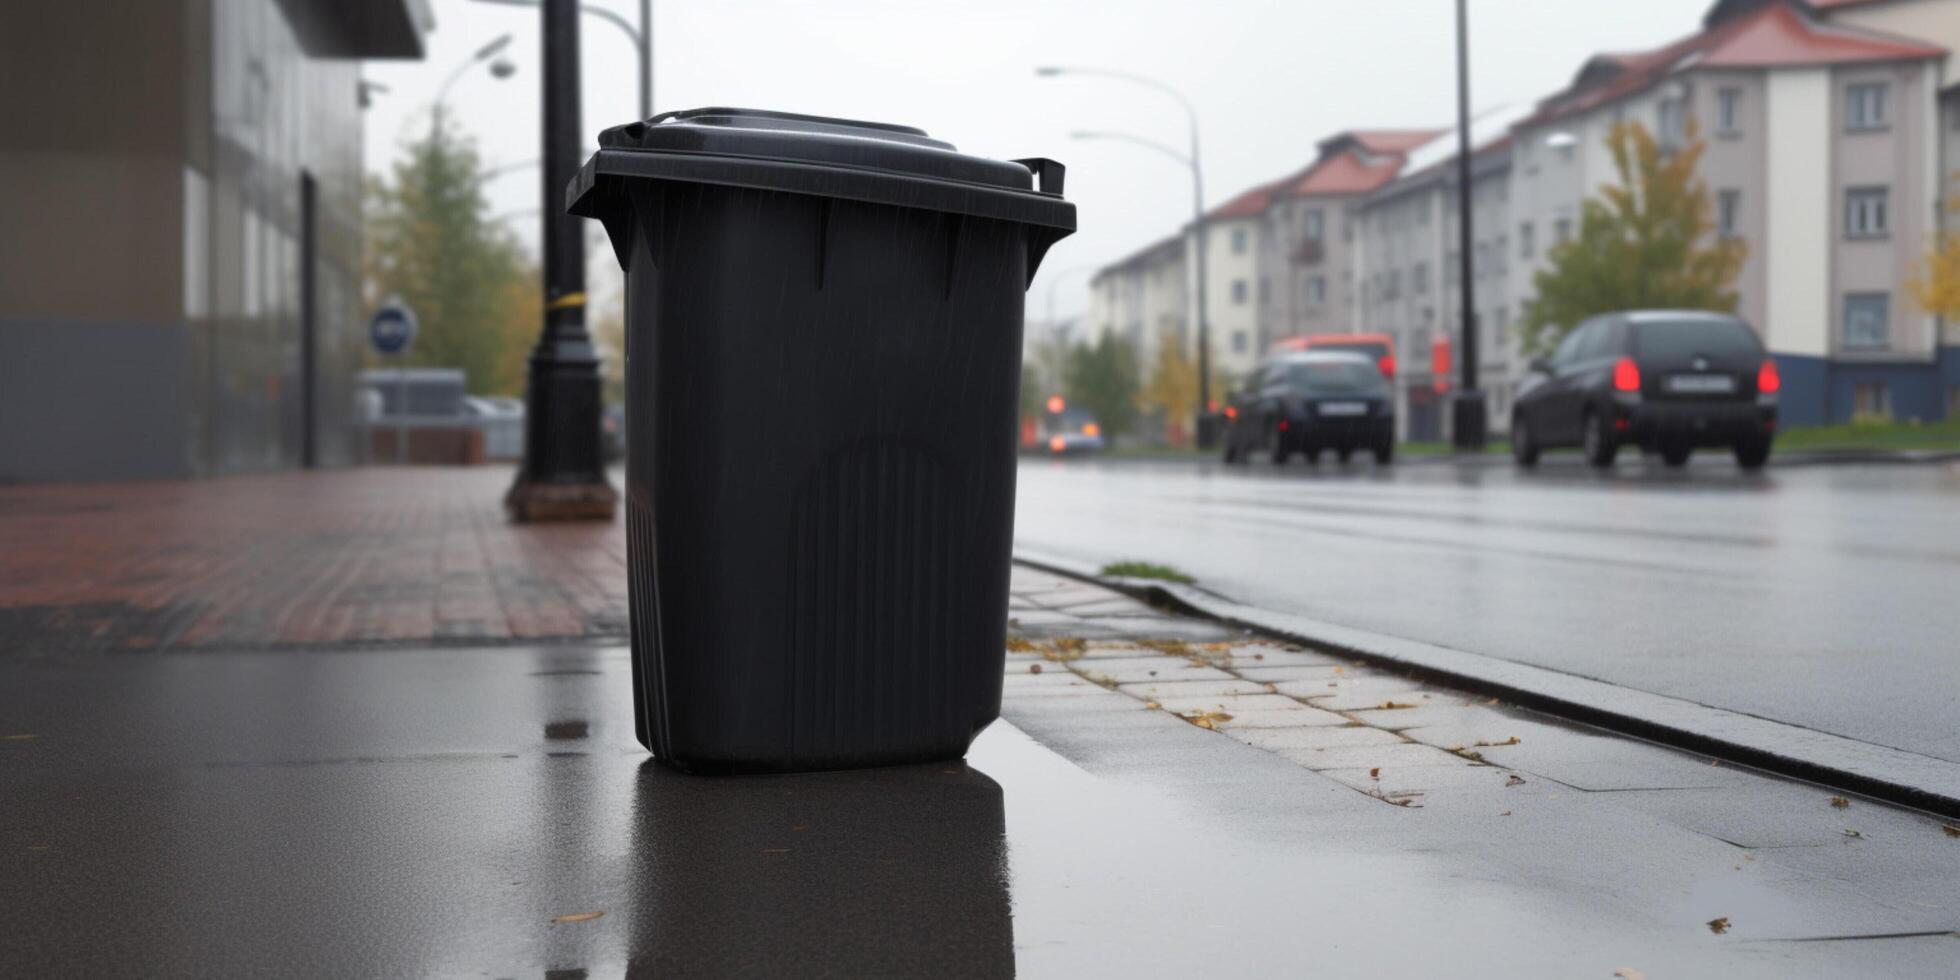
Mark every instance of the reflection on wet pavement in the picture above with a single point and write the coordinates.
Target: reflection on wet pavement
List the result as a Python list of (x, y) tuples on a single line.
[(884, 872)]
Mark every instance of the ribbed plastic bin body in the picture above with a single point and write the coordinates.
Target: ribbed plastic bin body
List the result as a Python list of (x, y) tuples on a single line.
[(822, 409)]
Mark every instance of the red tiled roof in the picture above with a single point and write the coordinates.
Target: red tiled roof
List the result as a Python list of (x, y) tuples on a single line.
[(1390, 141), (1773, 34), (1247, 204), (1778, 35), (1346, 173)]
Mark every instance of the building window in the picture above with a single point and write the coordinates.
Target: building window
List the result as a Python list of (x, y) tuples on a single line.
[(1864, 212), (1673, 123), (1526, 244), (1561, 231), (1871, 400), (1238, 241), (1316, 290), (1728, 112), (1394, 284), (1867, 321), (1419, 279), (1728, 213), (1238, 341), (1312, 225), (1865, 105), (1238, 292)]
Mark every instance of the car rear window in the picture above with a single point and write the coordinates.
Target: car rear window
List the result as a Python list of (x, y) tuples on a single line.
[(1686, 338), (1376, 350), (1337, 378)]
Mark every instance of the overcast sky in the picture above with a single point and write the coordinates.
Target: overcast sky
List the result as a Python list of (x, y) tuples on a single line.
[(1269, 79)]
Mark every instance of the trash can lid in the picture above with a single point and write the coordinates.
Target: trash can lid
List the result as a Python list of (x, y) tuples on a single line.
[(846, 158)]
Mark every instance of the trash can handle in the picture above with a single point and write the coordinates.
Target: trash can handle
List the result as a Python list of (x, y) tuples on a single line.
[(1047, 174)]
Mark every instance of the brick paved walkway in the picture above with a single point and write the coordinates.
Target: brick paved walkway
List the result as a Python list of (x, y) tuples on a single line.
[(327, 557)]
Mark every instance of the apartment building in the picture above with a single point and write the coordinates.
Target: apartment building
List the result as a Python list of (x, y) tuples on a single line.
[(1823, 153), (1143, 299), (1831, 129), (1409, 259)]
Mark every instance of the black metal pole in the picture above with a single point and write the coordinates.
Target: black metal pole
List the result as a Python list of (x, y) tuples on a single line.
[(1468, 406), (563, 476)]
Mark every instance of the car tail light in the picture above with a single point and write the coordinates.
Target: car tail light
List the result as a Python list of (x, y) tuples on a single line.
[(1768, 381), (1387, 364), (1057, 444), (1092, 430), (1626, 375), (1231, 411), (1284, 425)]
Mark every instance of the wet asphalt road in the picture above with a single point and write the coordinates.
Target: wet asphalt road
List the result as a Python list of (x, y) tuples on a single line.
[(1822, 596)]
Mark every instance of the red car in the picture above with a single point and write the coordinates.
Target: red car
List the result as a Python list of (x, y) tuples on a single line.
[(1379, 347)]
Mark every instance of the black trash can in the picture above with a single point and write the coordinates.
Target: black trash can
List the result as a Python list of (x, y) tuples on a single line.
[(823, 333)]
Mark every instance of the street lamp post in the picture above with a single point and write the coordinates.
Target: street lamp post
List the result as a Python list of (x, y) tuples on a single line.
[(642, 38), (1467, 409), (1194, 162), (500, 68), (563, 476)]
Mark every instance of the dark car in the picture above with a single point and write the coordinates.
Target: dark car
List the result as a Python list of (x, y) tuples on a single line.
[(1666, 381), (1312, 401)]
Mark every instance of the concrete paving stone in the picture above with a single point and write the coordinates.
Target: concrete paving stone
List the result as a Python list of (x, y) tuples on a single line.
[(1229, 705), (1167, 628), (1158, 690), (1039, 617), (1299, 672), (1492, 726), (1080, 629), (1070, 595), (1430, 713), (1250, 656), (1109, 605), (1599, 763), (1178, 670), (1399, 779), (1370, 756), (1290, 717), (1314, 737)]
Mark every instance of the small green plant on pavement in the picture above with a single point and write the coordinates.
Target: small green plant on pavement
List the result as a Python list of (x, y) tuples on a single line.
[(1145, 569)]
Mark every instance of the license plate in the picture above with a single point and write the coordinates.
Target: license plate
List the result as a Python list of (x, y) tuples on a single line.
[(1701, 384), (1344, 408)]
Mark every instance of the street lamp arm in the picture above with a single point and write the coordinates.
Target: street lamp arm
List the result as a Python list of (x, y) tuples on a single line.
[(1138, 140), (1190, 111)]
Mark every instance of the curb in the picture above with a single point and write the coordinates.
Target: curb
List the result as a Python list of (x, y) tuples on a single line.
[(1876, 771)]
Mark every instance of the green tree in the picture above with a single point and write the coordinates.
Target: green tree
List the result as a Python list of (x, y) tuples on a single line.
[(431, 242), (1102, 378), (1645, 242)]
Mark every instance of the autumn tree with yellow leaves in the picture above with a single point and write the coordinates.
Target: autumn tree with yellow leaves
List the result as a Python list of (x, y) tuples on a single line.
[(1646, 242)]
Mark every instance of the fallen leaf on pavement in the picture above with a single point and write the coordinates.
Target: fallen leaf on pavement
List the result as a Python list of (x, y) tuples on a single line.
[(1337, 670), (1375, 773), (1505, 813), (1017, 645), (1206, 719), (1629, 973), (17, 738), (1034, 668), (1848, 832), (1840, 802), (578, 917), (1513, 740), (1718, 926), (1394, 706), (1152, 705), (1515, 780), (1951, 830), (1491, 701)]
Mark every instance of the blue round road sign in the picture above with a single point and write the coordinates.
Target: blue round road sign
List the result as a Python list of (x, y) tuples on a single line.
[(392, 329)]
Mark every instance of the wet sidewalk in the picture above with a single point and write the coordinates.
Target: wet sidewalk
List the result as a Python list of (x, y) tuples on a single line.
[(334, 557), (1163, 797)]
